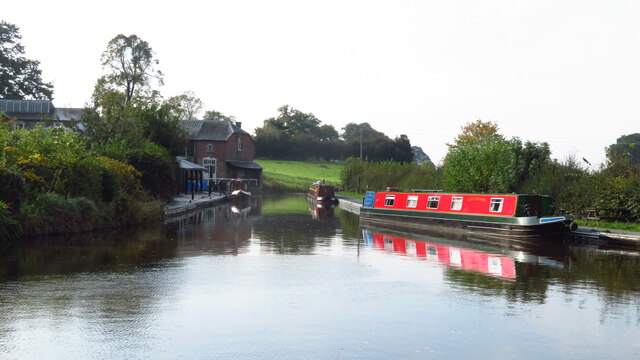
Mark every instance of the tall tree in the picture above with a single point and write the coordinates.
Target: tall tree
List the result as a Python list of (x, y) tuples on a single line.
[(625, 150), (184, 107), (476, 132), (217, 115), (20, 78), (482, 160), (130, 65)]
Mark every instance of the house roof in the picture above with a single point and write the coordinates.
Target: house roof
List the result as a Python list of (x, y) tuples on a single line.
[(219, 130), (26, 106), (38, 110), (244, 164)]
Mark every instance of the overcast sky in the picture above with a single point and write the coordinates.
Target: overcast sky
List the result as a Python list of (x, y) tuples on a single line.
[(563, 72)]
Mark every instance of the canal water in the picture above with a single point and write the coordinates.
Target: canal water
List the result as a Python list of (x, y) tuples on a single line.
[(283, 280)]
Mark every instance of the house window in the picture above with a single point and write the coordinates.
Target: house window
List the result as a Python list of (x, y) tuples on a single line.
[(239, 144), (20, 125), (209, 147), (210, 164), (456, 203), (432, 202), (496, 205), (412, 201), (389, 200)]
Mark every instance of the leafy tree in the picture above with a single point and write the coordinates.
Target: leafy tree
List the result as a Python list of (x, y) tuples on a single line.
[(477, 131), (353, 132), (327, 133), (184, 107), (482, 160), (20, 78), (131, 66), (217, 115), (625, 150), (294, 121)]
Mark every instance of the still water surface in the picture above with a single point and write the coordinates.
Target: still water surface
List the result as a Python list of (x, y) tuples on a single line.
[(283, 281)]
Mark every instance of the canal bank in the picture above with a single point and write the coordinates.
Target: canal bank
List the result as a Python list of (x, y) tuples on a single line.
[(185, 203)]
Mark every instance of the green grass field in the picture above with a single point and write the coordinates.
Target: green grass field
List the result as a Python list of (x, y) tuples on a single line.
[(282, 175)]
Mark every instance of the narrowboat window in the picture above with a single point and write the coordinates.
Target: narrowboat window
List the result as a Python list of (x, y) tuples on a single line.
[(456, 203), (496, 205), (412, 201), (432, 202), (389, 200)]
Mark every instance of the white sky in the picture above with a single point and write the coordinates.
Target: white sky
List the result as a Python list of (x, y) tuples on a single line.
[(564, 72)]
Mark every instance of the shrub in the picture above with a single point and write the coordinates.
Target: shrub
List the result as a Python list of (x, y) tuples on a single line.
[(9, 227), (52, 213), (159, 169), (12, 190)]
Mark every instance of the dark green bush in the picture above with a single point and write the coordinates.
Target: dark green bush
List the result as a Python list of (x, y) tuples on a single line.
[(159, 169), (9, 227), (12, 190), (52, 213)]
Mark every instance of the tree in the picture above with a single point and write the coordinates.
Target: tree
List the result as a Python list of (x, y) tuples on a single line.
[(20, 78), (294, 121), (130, 64), (217, 115), (353, 131), (477, 131), (184, 107), (482, 160), (625, 150)]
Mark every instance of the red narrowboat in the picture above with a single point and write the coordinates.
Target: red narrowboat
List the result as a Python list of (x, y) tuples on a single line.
[(504, 215), (322, 193)]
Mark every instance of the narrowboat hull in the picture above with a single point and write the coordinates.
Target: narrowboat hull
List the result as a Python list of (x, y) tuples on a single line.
[(322, 193), (500, 215), (515, 228)]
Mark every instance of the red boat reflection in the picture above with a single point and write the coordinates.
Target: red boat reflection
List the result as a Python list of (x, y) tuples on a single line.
[(452, 256)]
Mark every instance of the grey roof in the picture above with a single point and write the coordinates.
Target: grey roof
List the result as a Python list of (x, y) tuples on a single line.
[(38, 110), (26, 106), (244, 164), (188, 165), (219, 130)]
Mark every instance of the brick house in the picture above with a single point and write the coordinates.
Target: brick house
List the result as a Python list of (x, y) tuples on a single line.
[(224, 149), (29, 113)]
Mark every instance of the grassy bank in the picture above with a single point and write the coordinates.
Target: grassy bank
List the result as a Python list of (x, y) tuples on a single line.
[(296, 176), (609, 225)]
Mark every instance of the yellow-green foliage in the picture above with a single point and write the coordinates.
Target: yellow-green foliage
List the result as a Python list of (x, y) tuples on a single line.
[(298, 175)]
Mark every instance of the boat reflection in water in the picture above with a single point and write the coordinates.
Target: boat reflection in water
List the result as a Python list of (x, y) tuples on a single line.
[(497, 265), (321, 211)]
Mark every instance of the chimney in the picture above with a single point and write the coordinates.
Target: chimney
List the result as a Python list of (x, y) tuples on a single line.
[(239, 124)]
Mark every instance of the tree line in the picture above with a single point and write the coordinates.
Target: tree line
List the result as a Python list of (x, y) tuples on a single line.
[(295, 135), (483, 160)]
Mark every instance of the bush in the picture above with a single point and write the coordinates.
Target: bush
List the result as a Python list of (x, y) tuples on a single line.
[(359, 175), (9, 227), (52, 213), (159, 170), (12, 190)]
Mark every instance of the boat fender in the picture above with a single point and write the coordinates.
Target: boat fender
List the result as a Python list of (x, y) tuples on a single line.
[(573, 226)]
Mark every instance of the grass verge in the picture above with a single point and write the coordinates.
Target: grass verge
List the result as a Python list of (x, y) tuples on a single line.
[(296, 176), (610, 225)]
